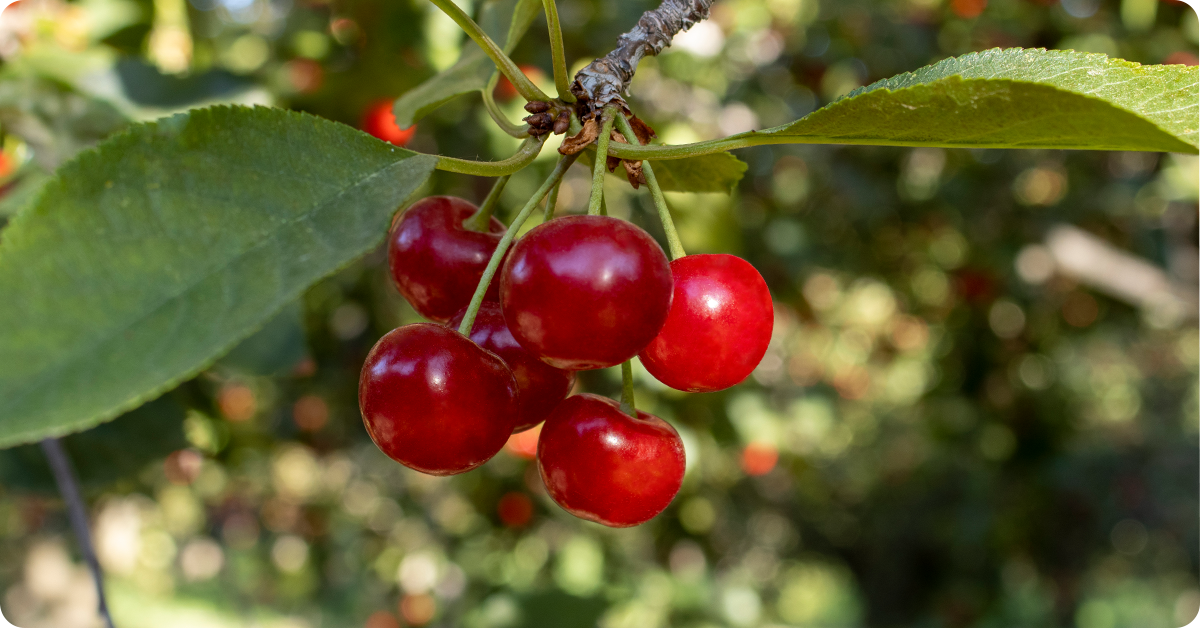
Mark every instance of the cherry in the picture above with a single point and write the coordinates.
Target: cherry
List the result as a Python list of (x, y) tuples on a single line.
[(603, 465), (436, 262), (434, 401), (380, 121), (585, 292), (540, 386), (718, 328)]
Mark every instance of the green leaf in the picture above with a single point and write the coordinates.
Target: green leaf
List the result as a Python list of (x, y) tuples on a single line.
[(102, 454), (22, 191), (718, 172), (467, 76), (273, 350), (1017, 98), (146, 258), (473, 69)]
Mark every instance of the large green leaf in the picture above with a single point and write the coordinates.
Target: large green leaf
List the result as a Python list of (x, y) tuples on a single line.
[(149, 256), (718, 172), (103, 454), (1018, 99), (473, 69)]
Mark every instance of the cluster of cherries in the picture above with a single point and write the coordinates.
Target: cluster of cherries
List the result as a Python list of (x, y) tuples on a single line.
[(575, 293)]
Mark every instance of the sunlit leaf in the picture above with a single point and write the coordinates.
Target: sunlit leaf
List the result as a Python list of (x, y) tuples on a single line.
[(149, 256), (1017, 99)]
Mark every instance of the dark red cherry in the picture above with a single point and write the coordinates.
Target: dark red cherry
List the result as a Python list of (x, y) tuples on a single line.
[(436, 263), (585, 292), (718, 328), (434, 401), (603, 465), (540, 386)]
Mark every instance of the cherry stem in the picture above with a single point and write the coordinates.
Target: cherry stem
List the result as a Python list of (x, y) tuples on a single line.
[(552, 202), (607, 117), (660, 201), (64, 476), (559, 58), (524, 86), (481, 219), (494, 263), (627, 405), (523, 157), (501, 120)]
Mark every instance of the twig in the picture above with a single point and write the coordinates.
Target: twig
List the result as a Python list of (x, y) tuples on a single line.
[(64, 476), (606, 79)]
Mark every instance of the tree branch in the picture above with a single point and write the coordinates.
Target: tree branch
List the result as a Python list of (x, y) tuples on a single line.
[(606, 79)]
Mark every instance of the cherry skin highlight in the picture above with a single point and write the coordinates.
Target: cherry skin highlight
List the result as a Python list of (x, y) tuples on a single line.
[(718, 328), (603, 465), (540, 386), (585, 292), (434, 401), (436, 263)]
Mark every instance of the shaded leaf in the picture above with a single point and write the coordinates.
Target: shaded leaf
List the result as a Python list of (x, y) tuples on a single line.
[(473, 69), (275, 349), (102, 454), (718, 172), (186, 235), (1017, 98)]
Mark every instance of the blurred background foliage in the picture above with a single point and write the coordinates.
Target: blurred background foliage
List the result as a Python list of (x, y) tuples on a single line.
[(979, 408)]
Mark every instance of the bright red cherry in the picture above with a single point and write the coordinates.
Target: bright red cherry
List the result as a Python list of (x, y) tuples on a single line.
[(603, 465), (434, 401), (585, 292), (540, 386), (719, 326), (380, 121), (436, 262)]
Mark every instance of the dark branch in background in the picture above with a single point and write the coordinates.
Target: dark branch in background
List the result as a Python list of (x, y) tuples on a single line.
[(606, 79), (64, 476)]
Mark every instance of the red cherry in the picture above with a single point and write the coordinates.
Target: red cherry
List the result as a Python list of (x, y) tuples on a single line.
[(434, 401), (603, 465), (380, 121), (540, 386), (718, 328), (585, 292), (436, 262)]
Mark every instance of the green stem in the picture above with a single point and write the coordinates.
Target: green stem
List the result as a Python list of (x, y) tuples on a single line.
[(524, 86), (594, 202), (561, 82), (480, 220), (660, 201), (494, 263), (501, 120), (552, 202), (627, 405), (523, 157)]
